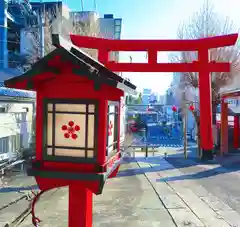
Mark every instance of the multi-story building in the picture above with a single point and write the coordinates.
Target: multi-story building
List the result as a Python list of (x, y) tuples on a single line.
[(111, 28), (105, 27), (16, 107), (22, 24), (145, 95)]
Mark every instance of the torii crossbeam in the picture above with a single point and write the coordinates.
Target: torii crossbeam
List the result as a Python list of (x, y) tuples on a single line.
[(203, 66)]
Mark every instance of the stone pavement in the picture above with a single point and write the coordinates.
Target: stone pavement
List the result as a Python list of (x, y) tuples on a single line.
[(15, 196), (145, 194), (199, 207), (127, 201)]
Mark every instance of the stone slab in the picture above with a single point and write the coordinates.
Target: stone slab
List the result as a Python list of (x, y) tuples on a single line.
[(183, 218)]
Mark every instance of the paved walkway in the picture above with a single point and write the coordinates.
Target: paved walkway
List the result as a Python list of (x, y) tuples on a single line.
[(15, 196), (127, 201), (143, 195), (199, 207)]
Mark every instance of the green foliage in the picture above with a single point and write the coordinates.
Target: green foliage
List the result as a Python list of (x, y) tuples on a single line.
[(139, 99)]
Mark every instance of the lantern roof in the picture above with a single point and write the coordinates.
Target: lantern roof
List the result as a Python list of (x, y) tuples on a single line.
[(83, 65)]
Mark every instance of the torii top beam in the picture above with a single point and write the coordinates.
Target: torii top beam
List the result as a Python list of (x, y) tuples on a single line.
[(160, 45), (105, 46)]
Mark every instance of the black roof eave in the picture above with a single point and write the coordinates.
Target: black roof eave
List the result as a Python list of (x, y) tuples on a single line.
[(89, 67)]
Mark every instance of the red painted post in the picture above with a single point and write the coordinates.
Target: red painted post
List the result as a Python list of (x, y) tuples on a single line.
[(80, 206), (205, 95), (236, 132), (224, 127), (103, 55)]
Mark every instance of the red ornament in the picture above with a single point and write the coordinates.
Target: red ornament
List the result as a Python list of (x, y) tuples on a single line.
[(71, 129), (74, 136), (77, 127), (70, 123), (191, 108), (110, 127), (66, 135), (64, 127), (174, 108)]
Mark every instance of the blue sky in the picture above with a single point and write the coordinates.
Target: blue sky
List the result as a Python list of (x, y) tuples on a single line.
[(153, 19), (141, 20)]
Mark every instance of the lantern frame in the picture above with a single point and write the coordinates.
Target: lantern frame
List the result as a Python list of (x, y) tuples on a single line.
[(72, 159), (115, 143)]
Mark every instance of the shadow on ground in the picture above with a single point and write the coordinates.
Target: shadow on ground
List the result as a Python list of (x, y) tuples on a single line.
[(18, 189), (227, 165)]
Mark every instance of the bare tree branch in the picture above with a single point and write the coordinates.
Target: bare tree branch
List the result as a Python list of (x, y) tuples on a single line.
[(89, 27), (207, 23)]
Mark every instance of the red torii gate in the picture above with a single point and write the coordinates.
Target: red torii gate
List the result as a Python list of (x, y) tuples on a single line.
[(203, 66)]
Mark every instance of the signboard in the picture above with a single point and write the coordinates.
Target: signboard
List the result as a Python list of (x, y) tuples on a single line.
[(111, 127), (232, 101), (122, 120)]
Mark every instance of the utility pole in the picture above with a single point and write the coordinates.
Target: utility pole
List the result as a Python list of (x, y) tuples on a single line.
[(41, 18), (185, 132), (95, 5), (184, 111), (82, 4), (130, 58)]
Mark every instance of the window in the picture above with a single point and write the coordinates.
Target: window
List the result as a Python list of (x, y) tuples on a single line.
[(118, 22), (118, 29), (232, 101), (112, 129), (4, 145), (70, 130), (117, 35)]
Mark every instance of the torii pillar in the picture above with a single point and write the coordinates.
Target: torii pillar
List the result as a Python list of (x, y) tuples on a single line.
[(205, 96)]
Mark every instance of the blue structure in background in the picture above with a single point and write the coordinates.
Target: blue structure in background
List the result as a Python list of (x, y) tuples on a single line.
[(165, 136), (3, 35), (14, 16), (145, 96), (16, 93)]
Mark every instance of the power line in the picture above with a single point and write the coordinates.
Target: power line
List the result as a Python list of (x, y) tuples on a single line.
[(82, 4), (95, 5)]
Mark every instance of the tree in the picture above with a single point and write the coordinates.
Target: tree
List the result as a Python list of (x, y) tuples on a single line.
[(53, 18), (207, 23), (139, 99)]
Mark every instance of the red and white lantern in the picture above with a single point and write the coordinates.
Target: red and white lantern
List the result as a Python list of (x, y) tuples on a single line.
[(191, 108), (174, 109)]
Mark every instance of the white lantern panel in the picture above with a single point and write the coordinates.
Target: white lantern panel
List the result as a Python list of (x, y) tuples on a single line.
[(50, 107), (91, 123), (90, 153), (69, 152), (111, 132), (49, 151), (66, 137), (111, 109), (122, 121), (49, 129), (91, 108), (70, 107)]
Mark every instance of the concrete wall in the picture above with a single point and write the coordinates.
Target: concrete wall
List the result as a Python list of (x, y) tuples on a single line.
[(15, 129)]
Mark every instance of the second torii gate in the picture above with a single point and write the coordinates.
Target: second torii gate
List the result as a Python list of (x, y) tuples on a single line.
[(202, 66)]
